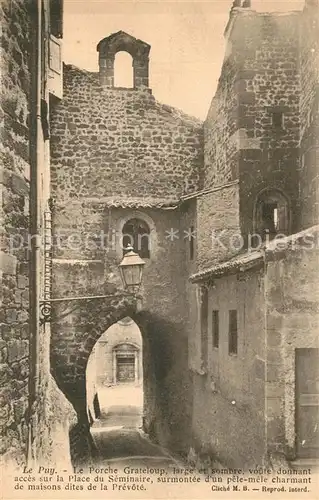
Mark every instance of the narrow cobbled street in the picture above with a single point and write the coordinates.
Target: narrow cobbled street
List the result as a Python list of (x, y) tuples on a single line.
[(118, 433)]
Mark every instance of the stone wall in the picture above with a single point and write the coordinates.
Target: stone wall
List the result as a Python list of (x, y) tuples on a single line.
[(259, 78), (256, 389), (121, 142), (218, 222), (309, 116), (272, 87), (53, 418), (14, 185), (230, 392), (110, 148), (220, 153), (163, 320), (42, 428), (292, 300)]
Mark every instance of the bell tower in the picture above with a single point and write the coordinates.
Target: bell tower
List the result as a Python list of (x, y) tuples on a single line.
[(121, 41)]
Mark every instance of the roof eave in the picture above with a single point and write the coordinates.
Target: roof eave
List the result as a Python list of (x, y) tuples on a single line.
[(227, 269)]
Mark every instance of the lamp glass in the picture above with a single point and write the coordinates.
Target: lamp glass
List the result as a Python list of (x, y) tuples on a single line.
[(131, 269)]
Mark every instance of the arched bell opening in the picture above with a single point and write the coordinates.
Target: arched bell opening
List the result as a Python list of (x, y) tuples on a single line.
[(123, 70)]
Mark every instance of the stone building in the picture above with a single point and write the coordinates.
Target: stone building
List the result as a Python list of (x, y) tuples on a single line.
[(118, 355), (229, 315), (222, 349), (35, 416), (116, 360), (120, 162), (254, 353)]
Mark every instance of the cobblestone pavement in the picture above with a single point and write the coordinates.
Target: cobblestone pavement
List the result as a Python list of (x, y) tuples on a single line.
[(118, 433)]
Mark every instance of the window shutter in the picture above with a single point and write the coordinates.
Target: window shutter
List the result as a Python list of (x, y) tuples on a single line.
[(55, 82)]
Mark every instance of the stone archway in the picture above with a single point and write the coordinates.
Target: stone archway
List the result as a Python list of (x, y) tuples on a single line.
[(75, 329), (74, 333), (166, 392)]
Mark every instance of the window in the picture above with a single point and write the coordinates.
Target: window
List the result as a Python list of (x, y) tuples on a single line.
[(233, 333), (204, 325), (56, 16), (277, 119), (191, 243), (215, 328), (53, 55), (137, 234), (125, 364), (271, 214)]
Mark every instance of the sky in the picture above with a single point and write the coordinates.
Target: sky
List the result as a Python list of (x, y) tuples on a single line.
[(186, 38)]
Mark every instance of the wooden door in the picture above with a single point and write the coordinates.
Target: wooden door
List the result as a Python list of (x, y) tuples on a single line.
[(307, 403)]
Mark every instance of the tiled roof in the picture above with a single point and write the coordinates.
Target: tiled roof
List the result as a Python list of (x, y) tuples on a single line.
[(277, 248), (141, 202), (233, 265), (306, 239), (129, 202)]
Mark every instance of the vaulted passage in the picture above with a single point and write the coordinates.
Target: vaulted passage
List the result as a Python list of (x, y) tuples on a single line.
[(114, 384), (105, 353)]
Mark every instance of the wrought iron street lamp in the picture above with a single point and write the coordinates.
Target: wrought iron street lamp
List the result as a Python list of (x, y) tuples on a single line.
[(131, 270)]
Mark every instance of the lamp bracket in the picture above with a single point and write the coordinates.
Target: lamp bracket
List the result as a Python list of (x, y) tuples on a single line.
[(46, 305)]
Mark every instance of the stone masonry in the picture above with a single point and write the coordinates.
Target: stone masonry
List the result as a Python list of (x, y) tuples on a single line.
[(14, 215), (111, 142), (50, 414), (309, 115), (118, 154), (260, 77), (270, 71)]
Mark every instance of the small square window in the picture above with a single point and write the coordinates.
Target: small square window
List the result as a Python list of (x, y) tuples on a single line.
[(204, 325), (233, 333), (277, 119), (215, 328)]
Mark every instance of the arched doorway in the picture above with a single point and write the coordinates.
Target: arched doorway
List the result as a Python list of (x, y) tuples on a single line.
[(114, 377)]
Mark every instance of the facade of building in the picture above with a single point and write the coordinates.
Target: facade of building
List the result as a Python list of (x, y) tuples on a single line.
[(142, 172), (116, 360), (119, 355), (35, 416), (229, 316), (254, 354), (120, 163)]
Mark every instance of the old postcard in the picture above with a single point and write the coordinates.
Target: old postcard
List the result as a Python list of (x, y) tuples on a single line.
[(159, 249)]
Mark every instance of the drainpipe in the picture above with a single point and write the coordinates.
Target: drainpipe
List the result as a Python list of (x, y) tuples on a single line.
[(265, 284), (34, 251)]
